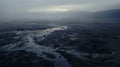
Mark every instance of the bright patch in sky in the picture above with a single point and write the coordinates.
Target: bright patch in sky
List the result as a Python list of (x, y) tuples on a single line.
[(49, 10), (59, 10), (56, 9)]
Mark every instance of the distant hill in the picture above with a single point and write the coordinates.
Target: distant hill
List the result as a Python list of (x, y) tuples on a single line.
[(100, 16), (108, 14)]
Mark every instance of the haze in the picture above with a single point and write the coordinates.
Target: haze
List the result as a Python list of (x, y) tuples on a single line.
[(51, 9)]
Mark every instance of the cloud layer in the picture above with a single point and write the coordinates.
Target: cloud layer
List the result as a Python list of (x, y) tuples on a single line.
[(30, 9)]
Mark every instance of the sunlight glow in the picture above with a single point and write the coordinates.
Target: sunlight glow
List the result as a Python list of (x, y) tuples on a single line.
[(58, 10), (50, 10), (61, 8)]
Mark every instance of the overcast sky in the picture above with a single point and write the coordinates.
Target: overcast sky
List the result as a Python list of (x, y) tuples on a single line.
[(41, 9)]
